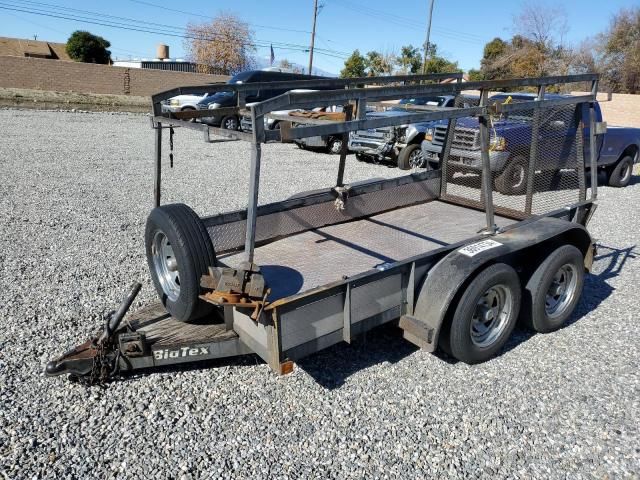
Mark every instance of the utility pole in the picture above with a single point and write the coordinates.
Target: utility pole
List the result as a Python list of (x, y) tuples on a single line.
[(313, 34), (426, 43)]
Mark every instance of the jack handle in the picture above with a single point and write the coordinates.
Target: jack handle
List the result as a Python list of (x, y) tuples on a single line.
[(114, 320)]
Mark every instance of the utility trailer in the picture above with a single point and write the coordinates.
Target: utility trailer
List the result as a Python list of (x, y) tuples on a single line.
[(453, 262)]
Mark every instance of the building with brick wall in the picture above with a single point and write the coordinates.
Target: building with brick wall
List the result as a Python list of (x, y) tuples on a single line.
[(23, 47)]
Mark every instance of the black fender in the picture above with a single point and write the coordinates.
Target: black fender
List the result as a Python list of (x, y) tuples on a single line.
[(514, 246)]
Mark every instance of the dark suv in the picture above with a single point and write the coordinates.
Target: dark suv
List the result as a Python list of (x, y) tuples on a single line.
[(230, 99)]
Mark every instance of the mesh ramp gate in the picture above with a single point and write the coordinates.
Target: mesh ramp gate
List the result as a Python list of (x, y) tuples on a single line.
[(537, 154)]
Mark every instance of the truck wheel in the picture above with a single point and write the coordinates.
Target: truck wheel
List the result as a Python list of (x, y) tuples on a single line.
[(621, 174), (513, 179), (230, 122), (361, 157), (334, 146), (553, 291), (189, 109), (486, 314), (410, 157), (179, 252)]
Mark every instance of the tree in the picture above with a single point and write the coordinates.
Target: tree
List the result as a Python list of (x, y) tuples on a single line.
[(544, 25), (225, 45), (85, 47), (437, 63), (410, 60), (380, 64), (475, 75), (287, 65), (620, 52), (492, 65), (354, 66)]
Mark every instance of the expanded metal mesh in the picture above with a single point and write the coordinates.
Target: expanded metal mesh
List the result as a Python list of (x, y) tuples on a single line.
[(231, 235), (536, 155)]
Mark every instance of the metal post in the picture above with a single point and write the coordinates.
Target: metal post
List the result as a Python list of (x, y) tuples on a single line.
[(580, 161), (487, 187), (426, 43), (158, 165), (533, 151), (254, 185), (313, 35), (592, 152), (444, 157), (348, 109)]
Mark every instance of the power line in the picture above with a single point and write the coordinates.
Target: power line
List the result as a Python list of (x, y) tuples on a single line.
[(139, 26), (193, 14), (408, 23)]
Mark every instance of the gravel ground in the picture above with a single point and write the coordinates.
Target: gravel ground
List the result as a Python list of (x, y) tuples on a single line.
[(75, 193)]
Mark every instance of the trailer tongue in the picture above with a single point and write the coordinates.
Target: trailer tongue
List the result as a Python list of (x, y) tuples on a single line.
[(455, 262)]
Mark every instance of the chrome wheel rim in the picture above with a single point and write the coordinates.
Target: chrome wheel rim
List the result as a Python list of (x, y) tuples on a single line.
[(626, 172), (562, 291), (415, 159), (491, 315), (230, 124), (336, 146), (166, 266), (518, 176)]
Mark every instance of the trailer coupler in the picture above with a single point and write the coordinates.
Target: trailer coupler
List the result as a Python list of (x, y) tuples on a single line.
[(98, 357)]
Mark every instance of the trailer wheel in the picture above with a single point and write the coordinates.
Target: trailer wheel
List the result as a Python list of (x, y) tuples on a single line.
[(485, 315), (410, 157), (513, 179), (179, 252), (621, 174), (553, 291)]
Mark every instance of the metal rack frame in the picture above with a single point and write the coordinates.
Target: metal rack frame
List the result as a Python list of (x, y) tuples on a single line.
[(355, 92)]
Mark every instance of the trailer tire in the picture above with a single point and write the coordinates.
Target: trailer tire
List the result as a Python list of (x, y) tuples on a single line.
[(553, 291), (621, 174), (486, 314), (406, 159), (179, 252)]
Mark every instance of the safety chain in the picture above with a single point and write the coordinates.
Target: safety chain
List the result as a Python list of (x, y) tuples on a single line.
[(103, 368)]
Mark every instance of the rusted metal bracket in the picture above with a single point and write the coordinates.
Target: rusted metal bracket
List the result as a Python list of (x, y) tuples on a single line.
[(243, 287)]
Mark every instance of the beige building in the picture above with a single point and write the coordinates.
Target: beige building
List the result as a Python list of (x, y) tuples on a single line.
[(21, 47)]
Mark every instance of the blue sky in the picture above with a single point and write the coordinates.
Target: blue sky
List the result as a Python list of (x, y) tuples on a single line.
[(460, 28)]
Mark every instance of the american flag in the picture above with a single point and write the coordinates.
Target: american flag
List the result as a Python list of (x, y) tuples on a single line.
[(273, 55)]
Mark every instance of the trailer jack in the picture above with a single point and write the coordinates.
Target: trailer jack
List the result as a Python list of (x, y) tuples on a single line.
[(98, 357)]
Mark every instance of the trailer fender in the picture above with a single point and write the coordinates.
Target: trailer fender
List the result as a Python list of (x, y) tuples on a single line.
[(444, 281)]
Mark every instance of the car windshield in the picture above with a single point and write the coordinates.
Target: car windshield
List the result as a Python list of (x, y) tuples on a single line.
[(216, 97), (520, 115), (221, 96), (432, 101)]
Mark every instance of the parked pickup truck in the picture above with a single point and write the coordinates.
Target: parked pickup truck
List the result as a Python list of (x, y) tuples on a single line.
[(182, 103), (617, 148), (401, 143)]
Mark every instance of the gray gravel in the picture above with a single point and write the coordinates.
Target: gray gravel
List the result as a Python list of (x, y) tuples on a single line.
[(75, 192)]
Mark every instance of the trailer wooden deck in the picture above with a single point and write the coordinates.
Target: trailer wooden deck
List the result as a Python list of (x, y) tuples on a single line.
[(317, 257)]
